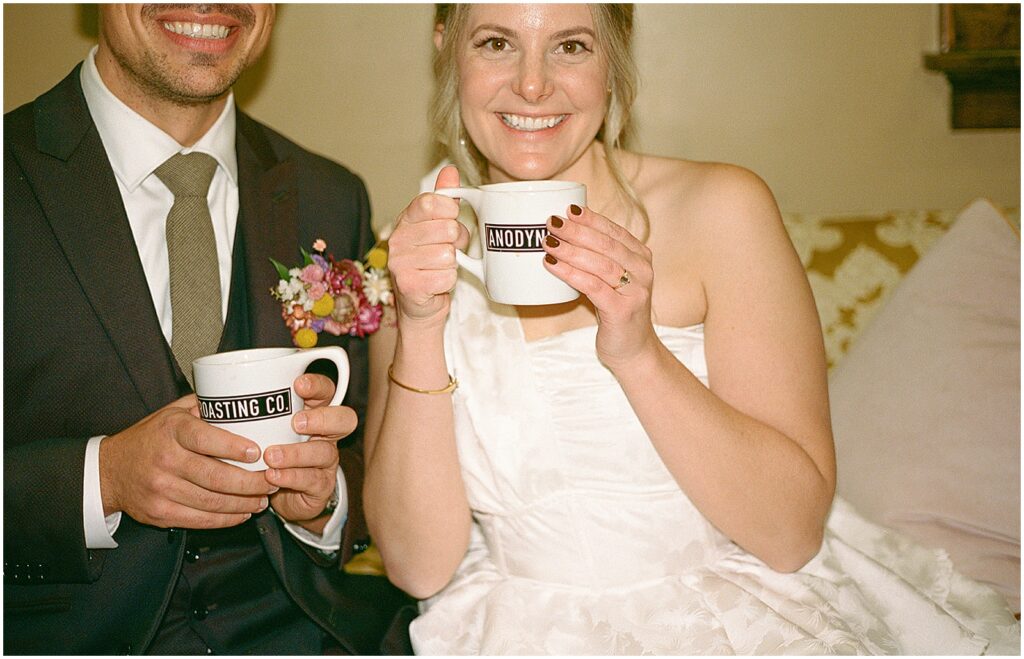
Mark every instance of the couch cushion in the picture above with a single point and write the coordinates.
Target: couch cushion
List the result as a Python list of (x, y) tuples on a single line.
[(855, 262), (926, 405)]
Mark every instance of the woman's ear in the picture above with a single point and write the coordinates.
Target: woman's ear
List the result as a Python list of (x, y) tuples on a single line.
[(439, 35)]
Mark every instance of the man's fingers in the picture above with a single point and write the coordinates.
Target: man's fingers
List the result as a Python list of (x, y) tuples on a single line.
[(315, 453), (192, 496), (215, 476), (186, 402), (315, 389), (330, 422), (205, 439), (318, 483), (176, 515)]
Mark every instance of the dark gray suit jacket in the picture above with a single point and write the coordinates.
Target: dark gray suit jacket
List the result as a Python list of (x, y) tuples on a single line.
[(84, 355)]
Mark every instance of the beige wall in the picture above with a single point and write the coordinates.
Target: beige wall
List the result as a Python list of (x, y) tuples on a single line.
[(829, 103)]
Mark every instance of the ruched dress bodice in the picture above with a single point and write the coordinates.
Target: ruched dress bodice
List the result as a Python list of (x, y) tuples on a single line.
[(583, 543)]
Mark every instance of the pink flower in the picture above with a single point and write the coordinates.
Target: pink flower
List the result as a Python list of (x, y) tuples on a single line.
[(332, 326), (319, 245), (317, 290), (368, 319), (312, 273)]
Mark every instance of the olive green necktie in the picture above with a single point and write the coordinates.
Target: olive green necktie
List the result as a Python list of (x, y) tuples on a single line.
[(196, 323)]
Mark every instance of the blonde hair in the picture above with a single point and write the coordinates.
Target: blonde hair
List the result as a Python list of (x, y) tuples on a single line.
[(613, 25)]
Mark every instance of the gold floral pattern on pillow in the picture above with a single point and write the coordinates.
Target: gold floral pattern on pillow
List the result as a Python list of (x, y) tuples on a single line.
[(855, 262)]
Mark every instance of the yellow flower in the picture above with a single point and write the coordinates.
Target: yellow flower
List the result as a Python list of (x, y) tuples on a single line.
[(305, 338), (377, 258), (324, 306)]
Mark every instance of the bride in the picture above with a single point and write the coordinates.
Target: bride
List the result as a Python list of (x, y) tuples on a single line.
[(648, 469)]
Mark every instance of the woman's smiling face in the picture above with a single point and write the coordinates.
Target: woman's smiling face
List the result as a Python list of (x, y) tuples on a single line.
[(532, 87)]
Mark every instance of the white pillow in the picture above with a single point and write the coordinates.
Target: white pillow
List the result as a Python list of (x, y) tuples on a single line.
[(926, 406)]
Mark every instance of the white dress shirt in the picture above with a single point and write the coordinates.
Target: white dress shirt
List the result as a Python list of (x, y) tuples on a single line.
[(136, 148)]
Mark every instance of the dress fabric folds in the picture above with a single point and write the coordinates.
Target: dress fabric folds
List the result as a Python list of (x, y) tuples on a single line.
[(582, 542)]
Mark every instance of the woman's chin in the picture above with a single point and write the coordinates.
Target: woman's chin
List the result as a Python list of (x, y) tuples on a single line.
[(524, 171)]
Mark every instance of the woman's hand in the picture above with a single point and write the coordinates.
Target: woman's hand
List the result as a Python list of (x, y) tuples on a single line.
[(421, 254), (613, 269)]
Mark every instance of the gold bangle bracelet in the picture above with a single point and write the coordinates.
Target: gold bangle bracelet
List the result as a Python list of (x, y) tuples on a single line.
[(452, 384)]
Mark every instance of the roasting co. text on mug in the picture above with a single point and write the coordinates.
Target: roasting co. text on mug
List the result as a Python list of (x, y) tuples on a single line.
[(234, 409), (515, 237)]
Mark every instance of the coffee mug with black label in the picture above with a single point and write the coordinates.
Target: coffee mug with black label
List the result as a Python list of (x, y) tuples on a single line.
[(250, 392), (513, 225)]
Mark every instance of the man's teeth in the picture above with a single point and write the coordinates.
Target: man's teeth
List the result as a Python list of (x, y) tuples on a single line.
[(198, 30), (520, 122)]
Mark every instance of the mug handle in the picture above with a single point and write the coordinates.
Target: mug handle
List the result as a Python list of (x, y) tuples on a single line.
[(337, 355), (472, 196)]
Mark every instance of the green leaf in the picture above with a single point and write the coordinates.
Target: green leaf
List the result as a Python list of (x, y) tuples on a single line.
[(306, 258), (282, 271)]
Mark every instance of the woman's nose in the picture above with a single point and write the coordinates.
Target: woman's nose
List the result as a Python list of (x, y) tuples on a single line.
[(533, 82)]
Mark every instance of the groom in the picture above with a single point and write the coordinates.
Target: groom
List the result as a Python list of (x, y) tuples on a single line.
[(123, 532)]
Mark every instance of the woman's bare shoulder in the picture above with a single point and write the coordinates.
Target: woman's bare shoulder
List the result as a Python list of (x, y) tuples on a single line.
[(695, 195), (696, 183)]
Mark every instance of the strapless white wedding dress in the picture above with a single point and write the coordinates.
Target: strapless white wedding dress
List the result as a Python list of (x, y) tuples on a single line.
[(583, 544)]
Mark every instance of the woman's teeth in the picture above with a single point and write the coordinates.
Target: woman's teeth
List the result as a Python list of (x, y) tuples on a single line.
[(198, 30), (520, 122)]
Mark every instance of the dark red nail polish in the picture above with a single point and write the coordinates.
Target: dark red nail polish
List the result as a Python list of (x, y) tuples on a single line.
[(575, 210), (556, 222), (550, 259), (552, 241)]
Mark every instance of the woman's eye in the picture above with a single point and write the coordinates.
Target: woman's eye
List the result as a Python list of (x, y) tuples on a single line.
[(572, 47), (495, 44)]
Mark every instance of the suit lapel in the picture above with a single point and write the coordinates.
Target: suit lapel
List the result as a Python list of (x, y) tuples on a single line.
[(268, 219), (76, 188)]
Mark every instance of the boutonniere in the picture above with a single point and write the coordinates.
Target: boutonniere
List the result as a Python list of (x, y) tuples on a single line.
[(337, 297)]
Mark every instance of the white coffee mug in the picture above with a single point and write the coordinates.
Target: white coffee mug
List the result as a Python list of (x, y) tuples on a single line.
[(251, 393), (513, 225)]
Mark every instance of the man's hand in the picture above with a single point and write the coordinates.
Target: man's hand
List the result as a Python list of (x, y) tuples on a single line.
[(164, 471), (307, 472)]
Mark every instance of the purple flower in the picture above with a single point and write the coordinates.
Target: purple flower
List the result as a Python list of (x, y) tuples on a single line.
[(321, 261), (317, 325)]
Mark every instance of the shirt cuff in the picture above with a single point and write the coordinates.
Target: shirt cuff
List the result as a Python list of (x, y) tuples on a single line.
[(99, 530), (330, 539)]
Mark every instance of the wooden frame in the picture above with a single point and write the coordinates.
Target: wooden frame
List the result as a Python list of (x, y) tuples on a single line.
[(980, 56)]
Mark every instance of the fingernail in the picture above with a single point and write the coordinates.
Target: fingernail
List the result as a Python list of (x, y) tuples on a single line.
[(273, 489), (264, 502), (575, 210), (252, 453), (301, 421), (273, 455), (552, 241), (550, 259), (556, 222), (273, 473)]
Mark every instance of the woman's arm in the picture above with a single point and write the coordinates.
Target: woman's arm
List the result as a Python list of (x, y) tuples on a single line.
[(754, 452), (414, 497)]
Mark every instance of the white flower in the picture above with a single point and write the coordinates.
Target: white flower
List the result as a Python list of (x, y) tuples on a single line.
[(288, 290), (377, 286)]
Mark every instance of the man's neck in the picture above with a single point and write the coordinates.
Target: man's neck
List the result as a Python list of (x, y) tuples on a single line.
[(186, 123)]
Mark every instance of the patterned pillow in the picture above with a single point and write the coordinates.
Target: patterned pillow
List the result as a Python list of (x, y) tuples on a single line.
[(855, 262)]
